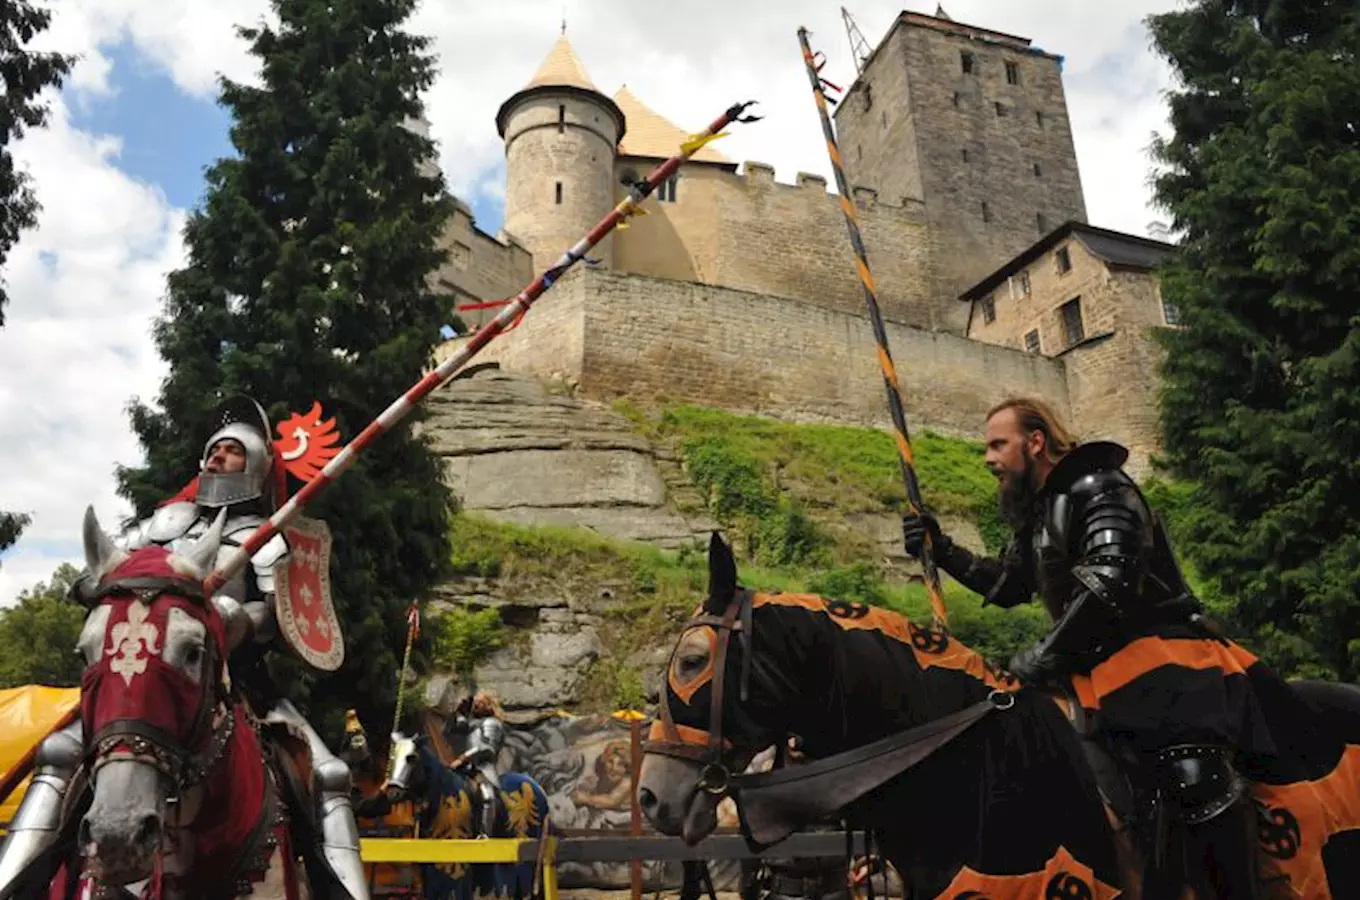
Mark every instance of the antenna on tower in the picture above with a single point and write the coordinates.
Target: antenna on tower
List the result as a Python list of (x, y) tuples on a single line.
[(860, 50)]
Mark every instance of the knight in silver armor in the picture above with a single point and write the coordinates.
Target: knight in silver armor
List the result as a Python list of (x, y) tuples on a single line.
[(236, 473), (485, 737)]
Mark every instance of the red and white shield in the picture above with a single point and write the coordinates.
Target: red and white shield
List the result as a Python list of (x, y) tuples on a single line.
[(302, 591)]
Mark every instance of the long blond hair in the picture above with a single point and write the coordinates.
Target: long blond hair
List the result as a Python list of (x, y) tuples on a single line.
[(1034, 414), (490, 700)]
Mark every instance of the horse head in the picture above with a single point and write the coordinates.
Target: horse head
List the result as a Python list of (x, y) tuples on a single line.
[(153, 695), (715, 715), (410, 776)]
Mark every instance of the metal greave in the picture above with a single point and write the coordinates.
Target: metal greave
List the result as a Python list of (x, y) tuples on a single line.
[(39, 815)]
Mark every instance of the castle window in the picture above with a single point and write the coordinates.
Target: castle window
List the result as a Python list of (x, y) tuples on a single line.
[(559, 192), (885, 118), (1038, 171), (1000, 110), (1020, 284), (1071, 319), (868, 96), (956, 98), (1012, 73), (561, 118), (988, 309), (986, 212), (1064, 261), (1041, 222), (965, 154), (1039, 117), (966, 60), (665, 191), (1032, 341)]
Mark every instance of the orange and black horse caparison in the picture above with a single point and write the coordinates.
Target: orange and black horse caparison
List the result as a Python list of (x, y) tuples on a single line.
[(973, 785)]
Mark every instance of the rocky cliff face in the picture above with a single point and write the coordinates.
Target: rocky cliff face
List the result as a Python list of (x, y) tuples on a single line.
[(519, 451)]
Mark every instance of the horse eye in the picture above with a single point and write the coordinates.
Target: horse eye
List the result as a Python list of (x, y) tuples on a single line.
[(194, 655)]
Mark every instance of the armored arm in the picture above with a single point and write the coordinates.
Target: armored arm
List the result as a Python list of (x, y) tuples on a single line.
[(1001, 581), (485, 741), (1110, 539)]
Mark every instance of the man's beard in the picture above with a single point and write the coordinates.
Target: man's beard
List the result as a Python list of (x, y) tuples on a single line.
[(1015, 497)]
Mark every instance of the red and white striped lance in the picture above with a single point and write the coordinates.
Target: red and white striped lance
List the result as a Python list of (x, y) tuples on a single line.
[(446, 370)]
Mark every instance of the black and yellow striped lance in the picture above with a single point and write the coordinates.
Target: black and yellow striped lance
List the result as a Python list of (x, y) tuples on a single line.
[(899, 415)]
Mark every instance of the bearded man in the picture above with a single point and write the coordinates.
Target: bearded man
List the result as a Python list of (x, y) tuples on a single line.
[(1086, 541)]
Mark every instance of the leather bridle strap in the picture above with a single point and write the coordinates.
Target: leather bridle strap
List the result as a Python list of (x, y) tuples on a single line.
[(710, 752)]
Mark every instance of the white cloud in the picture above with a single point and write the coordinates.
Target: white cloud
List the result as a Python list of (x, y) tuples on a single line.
[(77, 346)]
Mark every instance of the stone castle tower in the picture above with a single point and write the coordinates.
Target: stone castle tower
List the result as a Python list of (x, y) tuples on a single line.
[(740, 291), (561, 136), (974, 123)]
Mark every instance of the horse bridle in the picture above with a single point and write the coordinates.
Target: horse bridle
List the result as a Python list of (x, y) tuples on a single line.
[(715, 778), (127, 739)]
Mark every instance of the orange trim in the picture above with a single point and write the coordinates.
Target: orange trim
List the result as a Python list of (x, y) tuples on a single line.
[(1062, 876), (859, 617), (1147, 654), (1308, 813), (683, 733), (687, 691)]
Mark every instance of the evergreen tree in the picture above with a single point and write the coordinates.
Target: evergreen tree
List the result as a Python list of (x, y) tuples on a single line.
[(24, 74), (1261, 401), (307, 279), (38, 635)]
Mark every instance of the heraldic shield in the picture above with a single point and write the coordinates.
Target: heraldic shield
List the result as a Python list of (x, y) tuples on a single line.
[(302, 583)]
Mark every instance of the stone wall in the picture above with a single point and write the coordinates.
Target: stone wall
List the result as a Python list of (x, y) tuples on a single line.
[(480, 267), (651, 338), (751, 233), (993, 161)]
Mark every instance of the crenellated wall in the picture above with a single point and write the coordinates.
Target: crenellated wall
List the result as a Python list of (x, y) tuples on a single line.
[(481, 267), (749, 232)]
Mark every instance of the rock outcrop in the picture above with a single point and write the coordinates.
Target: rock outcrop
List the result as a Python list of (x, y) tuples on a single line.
[(518, 452)]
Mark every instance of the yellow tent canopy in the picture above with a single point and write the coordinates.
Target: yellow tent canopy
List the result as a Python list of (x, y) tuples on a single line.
[(27, 715)]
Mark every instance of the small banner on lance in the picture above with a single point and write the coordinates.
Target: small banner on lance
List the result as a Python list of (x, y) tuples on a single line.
[(302, 582)]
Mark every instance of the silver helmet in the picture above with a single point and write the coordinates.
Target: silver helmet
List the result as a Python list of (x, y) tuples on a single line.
[(242, 420)]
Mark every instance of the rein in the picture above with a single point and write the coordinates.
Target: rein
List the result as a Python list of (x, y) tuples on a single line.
[(816, 788)]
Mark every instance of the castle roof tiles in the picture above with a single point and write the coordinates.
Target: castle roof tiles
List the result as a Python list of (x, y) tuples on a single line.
[(653, 136), (562, 68)]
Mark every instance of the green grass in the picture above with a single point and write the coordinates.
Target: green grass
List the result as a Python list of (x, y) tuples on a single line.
[(778, 481), (653, 591)]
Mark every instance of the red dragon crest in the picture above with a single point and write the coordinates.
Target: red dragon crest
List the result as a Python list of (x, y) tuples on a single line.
[(306, 443)]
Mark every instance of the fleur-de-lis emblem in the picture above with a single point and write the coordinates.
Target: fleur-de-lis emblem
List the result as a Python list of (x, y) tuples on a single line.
[(128, 640)]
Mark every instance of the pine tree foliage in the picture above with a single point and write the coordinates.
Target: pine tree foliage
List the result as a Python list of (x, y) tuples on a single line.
[(308, 275), (1261, 401)]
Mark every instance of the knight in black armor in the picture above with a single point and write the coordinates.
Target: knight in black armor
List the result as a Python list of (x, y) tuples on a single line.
[(484, 725), (238, 472), (1087, 543)]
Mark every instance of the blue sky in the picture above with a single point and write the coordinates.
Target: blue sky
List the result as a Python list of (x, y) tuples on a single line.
[(123, 160)]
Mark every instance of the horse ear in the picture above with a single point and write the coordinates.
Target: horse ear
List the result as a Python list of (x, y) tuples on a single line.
[(722, 575), (101, 553)]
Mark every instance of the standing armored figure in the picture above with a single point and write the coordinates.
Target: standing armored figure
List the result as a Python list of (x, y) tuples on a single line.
[(242, 472), (485, 738)]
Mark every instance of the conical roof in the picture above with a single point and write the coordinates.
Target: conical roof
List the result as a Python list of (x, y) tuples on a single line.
[(653, 136), (562, 68)]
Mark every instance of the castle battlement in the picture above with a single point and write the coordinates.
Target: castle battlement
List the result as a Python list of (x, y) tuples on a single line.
[(736, 289)]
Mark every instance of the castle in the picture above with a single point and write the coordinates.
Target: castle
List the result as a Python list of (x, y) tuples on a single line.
[(741, 292)]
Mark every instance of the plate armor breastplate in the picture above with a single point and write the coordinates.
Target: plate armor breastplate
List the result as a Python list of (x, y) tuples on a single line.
[(1051, 553)]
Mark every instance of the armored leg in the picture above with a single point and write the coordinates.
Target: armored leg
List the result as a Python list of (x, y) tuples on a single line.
[(487, 783), (1201, 787), (39, 815), (332, 783)]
